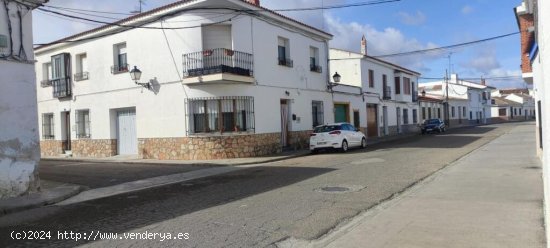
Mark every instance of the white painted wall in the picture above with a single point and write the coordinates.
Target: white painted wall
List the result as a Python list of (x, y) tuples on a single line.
[(354, 69), (19, 148), (163, 114)]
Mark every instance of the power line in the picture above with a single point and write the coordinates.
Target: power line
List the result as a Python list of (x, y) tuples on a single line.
[(447, 47)]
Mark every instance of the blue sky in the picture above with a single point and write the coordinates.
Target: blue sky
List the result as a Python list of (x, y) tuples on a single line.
[(392, 27)]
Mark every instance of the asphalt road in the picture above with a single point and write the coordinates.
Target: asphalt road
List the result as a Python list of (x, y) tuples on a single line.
[(258, 206)]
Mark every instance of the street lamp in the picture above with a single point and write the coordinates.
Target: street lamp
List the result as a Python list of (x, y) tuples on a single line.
[(135, 74), (336, 77)]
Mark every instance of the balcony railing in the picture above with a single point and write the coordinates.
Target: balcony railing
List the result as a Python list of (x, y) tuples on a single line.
[(387, 93), (116, 69), (81, 76), (316, 68), (285, 62), (45, 83), (219, 60), (61, 87)]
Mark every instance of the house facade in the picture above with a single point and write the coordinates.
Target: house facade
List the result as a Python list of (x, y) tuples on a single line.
[(471, 102), (233, 85), (19, 149), (433, 106), (512, 105), (389, 91)]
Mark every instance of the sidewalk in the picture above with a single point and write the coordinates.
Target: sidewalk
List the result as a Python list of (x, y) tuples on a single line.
[(490, 198)]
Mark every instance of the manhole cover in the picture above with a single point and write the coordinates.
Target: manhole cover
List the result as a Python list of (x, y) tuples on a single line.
[(340, 189), (335, 189)]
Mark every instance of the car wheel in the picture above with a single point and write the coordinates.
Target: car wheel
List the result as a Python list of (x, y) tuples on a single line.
[(363, 143), (344, 147)]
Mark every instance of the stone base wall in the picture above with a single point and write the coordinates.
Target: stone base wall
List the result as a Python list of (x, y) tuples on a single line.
[(97, 148), (212, 147), (300, 139), (51, 147)]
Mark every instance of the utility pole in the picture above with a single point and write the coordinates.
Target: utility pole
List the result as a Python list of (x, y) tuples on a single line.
[(447, 121)]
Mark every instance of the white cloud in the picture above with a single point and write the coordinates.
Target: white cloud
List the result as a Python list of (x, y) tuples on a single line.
[(412, 19), (379, 42), (467, 9)]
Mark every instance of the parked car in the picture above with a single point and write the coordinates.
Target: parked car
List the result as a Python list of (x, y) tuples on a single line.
[(433, 125), (336, 136)]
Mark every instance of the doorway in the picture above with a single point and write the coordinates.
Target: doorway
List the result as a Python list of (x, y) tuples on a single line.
[(126, 132), (284, 122), (398, 116), (372, 120), (66, 130), (385, 119)]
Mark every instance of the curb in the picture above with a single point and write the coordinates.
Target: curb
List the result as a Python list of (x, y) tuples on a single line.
[(39, 199)]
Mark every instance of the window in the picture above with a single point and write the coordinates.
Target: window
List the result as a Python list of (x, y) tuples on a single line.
[(83, 123), (47, 126), (502, 112), (81, 67), (439, 113), (515, 111), (471, 117), (405, 116), (407, 85), (46, 75), (356, 119), (429, 113), (397, 85), (221, 114), (423, 113), (61, 75), (371, 78), (317, 113), (453, 111), (314, 60), (284, 52), (120, 59), (415, 116), (464, 111)]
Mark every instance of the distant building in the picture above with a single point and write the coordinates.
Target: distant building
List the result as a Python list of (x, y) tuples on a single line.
[(432, 106), (512, 105), (19, 150), (390, 91), (469, 100)]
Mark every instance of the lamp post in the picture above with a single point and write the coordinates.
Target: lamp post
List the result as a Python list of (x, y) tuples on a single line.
[(135, 74)]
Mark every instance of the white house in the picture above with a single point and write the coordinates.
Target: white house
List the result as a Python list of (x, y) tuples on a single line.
[(244, 82), (471, 101), (433, 106), (19, 149), (534, 24), (389, 91)]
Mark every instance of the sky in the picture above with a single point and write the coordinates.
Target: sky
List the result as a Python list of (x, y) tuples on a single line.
[(400, 26)]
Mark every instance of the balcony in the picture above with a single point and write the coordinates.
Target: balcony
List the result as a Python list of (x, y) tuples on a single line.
[(316, 68), (45, 83), (61, 87), (117, 69), (285, 62), (81, 76), (387, 93), (218, 66)]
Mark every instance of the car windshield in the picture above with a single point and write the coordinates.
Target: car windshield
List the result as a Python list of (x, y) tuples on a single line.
[(432, 121), (327, 128)]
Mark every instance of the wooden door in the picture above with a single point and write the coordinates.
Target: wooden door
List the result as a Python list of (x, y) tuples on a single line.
[(372, 120)]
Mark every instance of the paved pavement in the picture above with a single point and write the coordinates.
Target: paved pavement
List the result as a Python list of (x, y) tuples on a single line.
[(257, 206), (490, 198)]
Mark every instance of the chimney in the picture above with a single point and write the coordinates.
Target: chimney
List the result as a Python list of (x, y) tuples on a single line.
[(255, 2), (364, 45)]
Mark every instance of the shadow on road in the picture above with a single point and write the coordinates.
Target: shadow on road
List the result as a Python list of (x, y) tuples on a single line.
[(130, 211)]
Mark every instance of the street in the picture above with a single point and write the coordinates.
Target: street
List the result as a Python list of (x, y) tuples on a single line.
[(301, 198)]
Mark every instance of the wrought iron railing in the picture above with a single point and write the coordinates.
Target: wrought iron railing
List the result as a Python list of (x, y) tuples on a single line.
[(116, 69), (285, 62), (219, 60), (415, 96), (316, 68), (81, 76), (45, 83), (387, 93), (61, 87)]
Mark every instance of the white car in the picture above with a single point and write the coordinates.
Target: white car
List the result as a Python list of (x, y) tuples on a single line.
[(338, 135)]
